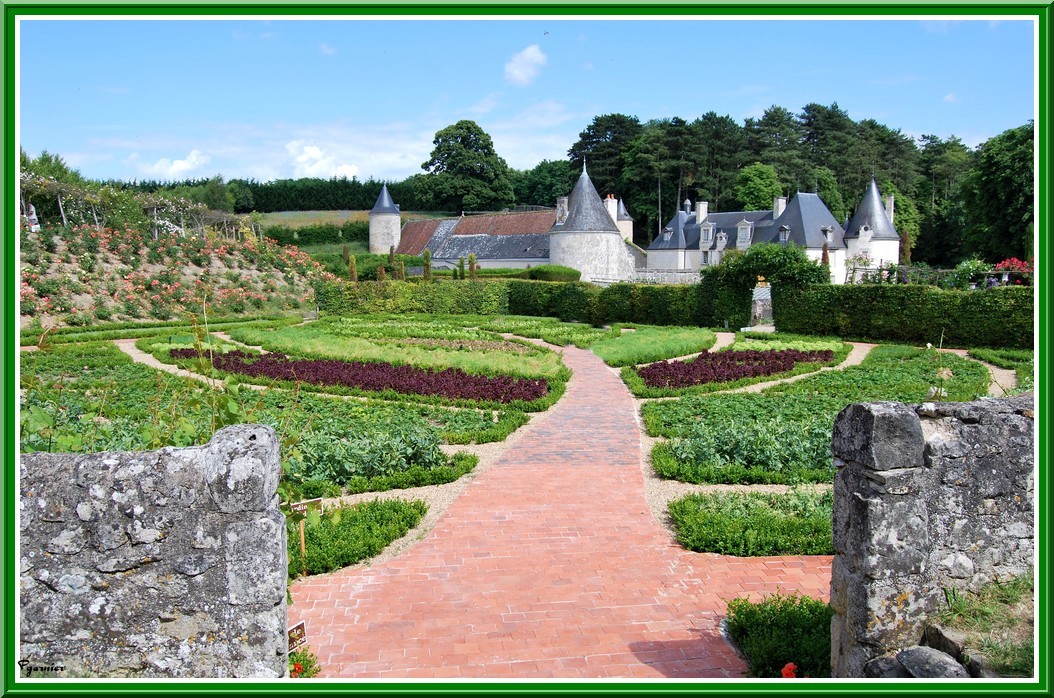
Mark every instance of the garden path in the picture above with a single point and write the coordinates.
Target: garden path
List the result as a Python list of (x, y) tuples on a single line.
[(1001, 380), (549, 564)]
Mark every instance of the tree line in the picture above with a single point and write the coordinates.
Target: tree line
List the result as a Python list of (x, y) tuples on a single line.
[(953, 202)]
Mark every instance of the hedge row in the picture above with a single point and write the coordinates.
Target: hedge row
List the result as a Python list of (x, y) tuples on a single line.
[(996, 317), (320, 233), (570, 301), (441, 297)]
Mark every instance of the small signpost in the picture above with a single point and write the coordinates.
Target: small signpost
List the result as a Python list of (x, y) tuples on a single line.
[(297, 636), (302, 508)]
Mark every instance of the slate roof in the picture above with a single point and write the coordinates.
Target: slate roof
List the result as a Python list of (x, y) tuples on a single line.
[(384, 202), (805, 215), (622, 214), (519, 246), (872, 212), (686, 231), (585, 210)]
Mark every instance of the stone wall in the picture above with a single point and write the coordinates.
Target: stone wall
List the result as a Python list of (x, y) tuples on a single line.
[(925, 498), (167, 563)]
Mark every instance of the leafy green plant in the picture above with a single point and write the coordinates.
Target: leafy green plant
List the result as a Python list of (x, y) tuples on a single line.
[(348, 535), (782, 629), (754, 524), (303, 664)]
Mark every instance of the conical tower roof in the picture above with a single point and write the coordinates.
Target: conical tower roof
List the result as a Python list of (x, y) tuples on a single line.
[(585, 209), (384, 203), (872, 213), (622, 213)]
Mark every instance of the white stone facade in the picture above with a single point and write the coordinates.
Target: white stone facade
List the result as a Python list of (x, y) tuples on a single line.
[(385, 232), (598, 255)]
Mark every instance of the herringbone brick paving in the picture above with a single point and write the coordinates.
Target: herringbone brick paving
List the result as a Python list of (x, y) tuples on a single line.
[(549, 564)]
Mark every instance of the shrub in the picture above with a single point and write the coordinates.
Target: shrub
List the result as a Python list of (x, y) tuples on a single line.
[(553, 272), (783, 629), (996, 317), (752, 524), (352, 534), (319, 233)]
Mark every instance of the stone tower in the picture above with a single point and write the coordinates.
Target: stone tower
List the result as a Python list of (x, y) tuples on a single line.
[(385, 229), (589, 239)]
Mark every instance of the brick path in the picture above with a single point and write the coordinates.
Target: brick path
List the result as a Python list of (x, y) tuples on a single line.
[(550, 564)]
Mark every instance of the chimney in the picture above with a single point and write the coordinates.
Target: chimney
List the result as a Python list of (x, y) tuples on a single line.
[(889, 207), (611, 204), (561, 209), (778, 204), (701, 211)]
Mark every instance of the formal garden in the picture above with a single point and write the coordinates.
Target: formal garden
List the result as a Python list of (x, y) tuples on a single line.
[(390, 384)]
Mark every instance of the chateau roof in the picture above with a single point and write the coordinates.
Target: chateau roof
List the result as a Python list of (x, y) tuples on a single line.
[(872, 213), (585, 209), (806, 216), (384, 202)]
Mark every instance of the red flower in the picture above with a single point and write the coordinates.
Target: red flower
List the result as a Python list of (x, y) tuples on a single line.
[(789, 670)]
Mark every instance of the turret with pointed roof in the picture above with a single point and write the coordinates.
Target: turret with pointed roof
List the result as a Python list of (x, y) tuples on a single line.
[(589, 239), (384, 202), (585, 209), (871, 217), (385, 231)]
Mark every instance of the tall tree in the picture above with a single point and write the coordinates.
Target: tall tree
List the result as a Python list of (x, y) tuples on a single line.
[(827, 136), (999, 197), (602, 146), (943, 166), (650, 190), (466, 174), (545, 182), (829, 192), (756, 187), (776, 140), (724, 152)]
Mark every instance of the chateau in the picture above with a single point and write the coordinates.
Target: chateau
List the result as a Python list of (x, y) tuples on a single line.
[(594, 235)]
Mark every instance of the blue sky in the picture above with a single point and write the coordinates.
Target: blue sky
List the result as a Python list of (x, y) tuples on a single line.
[(175, 98)]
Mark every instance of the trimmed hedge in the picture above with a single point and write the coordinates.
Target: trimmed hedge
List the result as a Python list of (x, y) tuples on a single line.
[(551, 272), (995, 317), (319, 233), (447, 298)]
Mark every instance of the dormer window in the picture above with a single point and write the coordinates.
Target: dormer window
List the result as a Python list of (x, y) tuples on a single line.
[(667, 233), (828, 234), (707, 232), (785, 232), (743, 234)]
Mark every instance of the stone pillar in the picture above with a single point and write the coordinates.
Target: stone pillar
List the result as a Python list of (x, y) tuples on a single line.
[(925, 498), (167, 563)]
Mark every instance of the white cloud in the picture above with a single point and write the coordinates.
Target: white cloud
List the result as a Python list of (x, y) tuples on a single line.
[(312, 161), (327, 49), (175, 169), (487, 104), (951, 98), (523, 68)]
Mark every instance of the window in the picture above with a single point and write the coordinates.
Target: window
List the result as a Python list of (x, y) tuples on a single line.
[(784, 234)]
